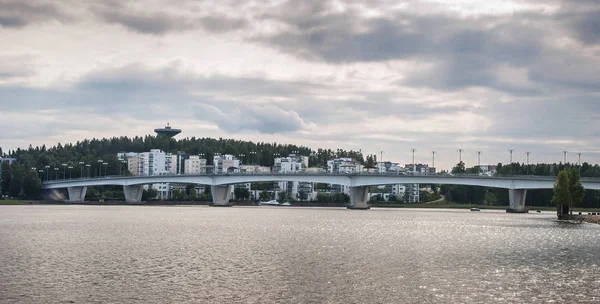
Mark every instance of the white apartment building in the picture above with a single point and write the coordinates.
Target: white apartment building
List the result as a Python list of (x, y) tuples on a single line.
[(155, 162), (343, 166), (255, 169), (195, 165), (226, 163), (294, 164)]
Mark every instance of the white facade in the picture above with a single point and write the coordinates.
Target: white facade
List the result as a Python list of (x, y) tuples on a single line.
[(294, 164), (343, 165), (226, 163), (195, 165), (255, 169)]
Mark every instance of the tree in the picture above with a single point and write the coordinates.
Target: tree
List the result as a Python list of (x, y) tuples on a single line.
[(575, 188), (562, 194), (264, 195), (6, 177), (16, 182), (282, 196), (32, 186), (241, 194), (459, 168)]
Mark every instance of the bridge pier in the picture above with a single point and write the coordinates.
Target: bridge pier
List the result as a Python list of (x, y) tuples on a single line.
[(133, 194), (76, 194), (221, 195), (359, 196), (517, 201)]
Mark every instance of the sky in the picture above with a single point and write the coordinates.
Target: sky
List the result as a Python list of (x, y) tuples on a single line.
[(376, 75)]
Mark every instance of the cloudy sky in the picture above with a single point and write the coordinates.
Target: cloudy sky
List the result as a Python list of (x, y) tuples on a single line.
[(376, 75)]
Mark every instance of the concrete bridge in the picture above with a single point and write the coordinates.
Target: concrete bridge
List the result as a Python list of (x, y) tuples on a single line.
[(359, 184)]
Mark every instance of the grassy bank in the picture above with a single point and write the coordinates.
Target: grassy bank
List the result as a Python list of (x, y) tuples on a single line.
[(13, 202)]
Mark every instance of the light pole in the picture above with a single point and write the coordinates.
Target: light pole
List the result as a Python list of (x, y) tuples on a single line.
[(579, 155), (124, 163), (104, 164), (511, 163), (81, 170), (88, 166), (41, 173), (381, 159), (460, 151), (252, 155), (64, 171), (527, 162), (70, 172), (47, 169), (413, 158), (55, 173), (478, 158), (99, 167), (565, 157), (433, 160)]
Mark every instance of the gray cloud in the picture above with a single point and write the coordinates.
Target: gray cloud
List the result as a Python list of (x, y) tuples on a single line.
[(15, 14), (238, 118), (161, 22)]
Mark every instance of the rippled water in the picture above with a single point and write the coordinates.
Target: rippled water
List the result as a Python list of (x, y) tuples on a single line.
[(145, 254)]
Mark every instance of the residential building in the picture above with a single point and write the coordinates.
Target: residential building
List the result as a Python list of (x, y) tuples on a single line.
[(226, 163), (255, 169), (195, 165), (294, 164), (343, 166)]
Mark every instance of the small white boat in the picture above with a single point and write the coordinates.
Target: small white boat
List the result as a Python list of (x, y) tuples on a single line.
[(286, 204), (269, 203), (475, 209)]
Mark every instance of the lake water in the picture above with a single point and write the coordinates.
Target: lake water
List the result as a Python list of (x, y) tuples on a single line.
[(144, 254)]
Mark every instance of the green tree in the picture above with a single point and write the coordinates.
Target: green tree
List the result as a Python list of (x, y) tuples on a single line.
[(459, 168), (562, 194), (32, 186), (575, 188), (282, 196), (16, 182), (264, 195), (6, 177), (241, 194)]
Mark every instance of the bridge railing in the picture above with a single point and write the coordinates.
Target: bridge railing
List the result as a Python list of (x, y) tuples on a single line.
[(412, 174)]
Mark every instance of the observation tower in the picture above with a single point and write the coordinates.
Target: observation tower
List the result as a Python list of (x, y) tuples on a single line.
[(167, 131)]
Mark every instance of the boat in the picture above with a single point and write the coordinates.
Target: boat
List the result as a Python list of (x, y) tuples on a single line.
[(475, 209), (269, 203), (286, 204)]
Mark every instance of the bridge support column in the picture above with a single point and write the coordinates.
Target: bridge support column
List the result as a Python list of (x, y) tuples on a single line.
[(221, 195), (133, 194), (517, 201), (76, 194), (359, 196)]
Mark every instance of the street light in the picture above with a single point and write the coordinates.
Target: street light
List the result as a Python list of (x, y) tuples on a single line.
[(433, 160), (511, 163), (124, 162), (565, 157), (579, 155), (527, 162), (252, 155), (460, 151), (47, 169), (413, 158), (478, 158), (64, 171), (70, 172), (55, 173), (41, 173), (99, 165), (81, 169), (105, 164)]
